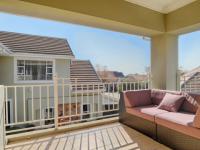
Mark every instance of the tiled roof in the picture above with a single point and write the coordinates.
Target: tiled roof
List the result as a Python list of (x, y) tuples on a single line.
[(24, 43), (83, 71)]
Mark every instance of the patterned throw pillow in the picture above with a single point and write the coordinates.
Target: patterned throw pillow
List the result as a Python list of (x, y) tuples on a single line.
[(171, 102)]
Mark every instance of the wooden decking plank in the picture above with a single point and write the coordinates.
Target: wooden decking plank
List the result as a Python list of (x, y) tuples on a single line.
[(92, 141), (99, 140), (119, 136), (125, 135), (77, 142), (106, 139), (84, 141), (113, 138), (70, 142)]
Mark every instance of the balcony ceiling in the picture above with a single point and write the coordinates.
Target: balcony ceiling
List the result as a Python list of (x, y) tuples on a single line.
[(163, 6)]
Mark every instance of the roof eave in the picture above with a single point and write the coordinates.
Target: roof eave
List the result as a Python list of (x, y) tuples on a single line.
[(52, 56)]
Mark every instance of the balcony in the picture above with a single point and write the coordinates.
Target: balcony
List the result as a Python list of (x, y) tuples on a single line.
[(111, 136), (30, 112), (64, 107)]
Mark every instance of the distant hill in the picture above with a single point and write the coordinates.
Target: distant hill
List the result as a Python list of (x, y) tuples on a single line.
[(136, 77), (110, 76)]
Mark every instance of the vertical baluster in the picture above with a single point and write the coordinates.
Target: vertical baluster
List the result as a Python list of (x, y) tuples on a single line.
[(98, 99), (76, 96), (103, 93), (48, 103), (56, 101), (6, 101), (93, 97), (82, 100), (88, 93), (15, 104), (63, 92), (70, 102), (108, 99), (113, 95), (40, 88), (32, 103), (24, 102)]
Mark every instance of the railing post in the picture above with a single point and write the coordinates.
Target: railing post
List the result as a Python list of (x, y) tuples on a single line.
[(56, 102), (2, 118)]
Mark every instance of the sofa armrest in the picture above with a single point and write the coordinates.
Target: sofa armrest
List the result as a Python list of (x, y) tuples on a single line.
[(135, 98)]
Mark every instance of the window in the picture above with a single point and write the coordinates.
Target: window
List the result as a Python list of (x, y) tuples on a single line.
[(86, 110), (48, 115), (28, 70)]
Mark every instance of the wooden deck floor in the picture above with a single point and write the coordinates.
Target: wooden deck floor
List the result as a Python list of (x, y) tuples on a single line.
[(112, 136)]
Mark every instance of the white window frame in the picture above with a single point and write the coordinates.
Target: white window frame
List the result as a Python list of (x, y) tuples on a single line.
[(32, 59)]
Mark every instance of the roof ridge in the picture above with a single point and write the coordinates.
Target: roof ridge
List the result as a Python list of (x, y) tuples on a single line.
[(30, 34)]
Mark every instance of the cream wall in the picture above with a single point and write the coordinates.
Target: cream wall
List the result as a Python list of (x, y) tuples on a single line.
[(6, 70)]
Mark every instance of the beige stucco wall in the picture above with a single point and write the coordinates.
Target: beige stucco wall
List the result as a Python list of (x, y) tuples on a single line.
[(185, 19), (6, 70), (115, 15), (62, 68)]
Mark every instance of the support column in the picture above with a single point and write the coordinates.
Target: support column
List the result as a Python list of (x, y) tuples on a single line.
[(164, 61)]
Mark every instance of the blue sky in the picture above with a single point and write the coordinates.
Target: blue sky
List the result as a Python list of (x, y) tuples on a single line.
[(117, 51), (189, 50)]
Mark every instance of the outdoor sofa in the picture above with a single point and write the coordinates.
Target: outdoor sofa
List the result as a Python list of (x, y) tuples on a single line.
[(175, 128)]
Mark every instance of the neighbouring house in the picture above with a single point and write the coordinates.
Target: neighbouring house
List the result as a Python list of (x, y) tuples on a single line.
[(28, 60), (190, 80)]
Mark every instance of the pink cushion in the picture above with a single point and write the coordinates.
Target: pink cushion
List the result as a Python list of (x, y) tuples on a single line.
[(179, 121), (196, 122), (182, 118), (150, 110), (146, 112), (171, 102), (191, 102), (137, 98)]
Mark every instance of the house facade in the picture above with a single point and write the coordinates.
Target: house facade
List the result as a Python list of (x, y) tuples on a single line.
[(28, 65)]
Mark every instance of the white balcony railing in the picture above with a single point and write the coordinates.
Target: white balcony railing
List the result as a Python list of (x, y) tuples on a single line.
[(36, 107)]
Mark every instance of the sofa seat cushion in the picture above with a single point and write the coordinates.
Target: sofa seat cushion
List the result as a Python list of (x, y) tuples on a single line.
[(178, 121), (146, 112)]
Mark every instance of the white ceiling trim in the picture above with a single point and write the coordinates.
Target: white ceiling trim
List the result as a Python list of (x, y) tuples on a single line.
[(163, 6)]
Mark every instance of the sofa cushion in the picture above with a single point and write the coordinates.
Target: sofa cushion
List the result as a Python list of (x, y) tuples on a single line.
[(158, 95), (178, 121), (191, 102), (146, 112), (196, 122), (137, 98), (171, 102)]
